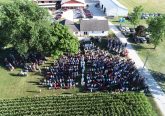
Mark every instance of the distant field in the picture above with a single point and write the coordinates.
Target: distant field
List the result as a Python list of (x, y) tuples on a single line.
[(149, 5)]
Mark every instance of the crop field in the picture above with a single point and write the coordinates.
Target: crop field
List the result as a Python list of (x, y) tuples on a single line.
[(122, 104)]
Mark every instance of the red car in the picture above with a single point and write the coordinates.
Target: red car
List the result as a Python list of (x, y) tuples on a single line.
[(58, 16)]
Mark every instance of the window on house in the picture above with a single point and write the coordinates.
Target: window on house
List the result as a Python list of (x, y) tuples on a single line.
[(42, 1), (85, 33)]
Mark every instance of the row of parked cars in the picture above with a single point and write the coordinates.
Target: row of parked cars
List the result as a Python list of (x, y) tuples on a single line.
[(144, 39), (78, 13), (131, 31), (148, 15), (58, 14), (126, 30), (87, 13)]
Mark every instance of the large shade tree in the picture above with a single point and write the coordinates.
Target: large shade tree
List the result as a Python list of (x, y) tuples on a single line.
[(63, 40), (27, 28), (156, 28)]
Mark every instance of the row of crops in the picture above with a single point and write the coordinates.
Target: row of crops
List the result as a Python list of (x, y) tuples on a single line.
[(98, 104)]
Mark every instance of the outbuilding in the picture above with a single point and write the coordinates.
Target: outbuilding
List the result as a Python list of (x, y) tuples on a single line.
[(113, 8), (49, 4)]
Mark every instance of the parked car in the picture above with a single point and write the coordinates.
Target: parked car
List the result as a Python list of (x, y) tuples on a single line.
[(123, 29), (140, 40), (148, 15), (97, 5), (64, 9), (58, 16), (80, 16), (59, 12), (132, 30)]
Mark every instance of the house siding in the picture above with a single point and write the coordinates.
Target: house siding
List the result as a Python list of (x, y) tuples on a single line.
[(92, 33)]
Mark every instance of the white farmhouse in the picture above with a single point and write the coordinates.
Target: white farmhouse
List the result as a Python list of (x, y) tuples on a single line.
[(113, 8), (88, 27), (94, 27)]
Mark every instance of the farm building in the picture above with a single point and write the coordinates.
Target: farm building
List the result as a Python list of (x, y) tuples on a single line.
[(88, 27), (94, 27), (113, 8), (73, 4), (49, 4)]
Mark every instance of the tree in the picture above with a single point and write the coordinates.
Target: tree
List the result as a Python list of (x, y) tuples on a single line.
[(140, 30), (66, 42), (156, 28), (27, 28), (136, 15), (23, 24)]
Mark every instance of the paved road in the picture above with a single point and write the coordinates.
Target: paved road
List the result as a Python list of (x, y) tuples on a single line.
[(154, 88), (96, 12), (68, 15)]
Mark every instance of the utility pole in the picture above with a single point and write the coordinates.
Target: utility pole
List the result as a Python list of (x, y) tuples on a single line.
[(145, 62)]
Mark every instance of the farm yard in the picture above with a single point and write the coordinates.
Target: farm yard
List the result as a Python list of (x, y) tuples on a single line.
[(36, 94)]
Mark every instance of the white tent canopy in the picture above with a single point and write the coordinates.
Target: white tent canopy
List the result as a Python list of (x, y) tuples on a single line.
[(113, 8)]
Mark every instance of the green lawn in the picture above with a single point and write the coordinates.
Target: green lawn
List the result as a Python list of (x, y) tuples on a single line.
[(155, 61), (127, 22), (152, 6), (15, 86)]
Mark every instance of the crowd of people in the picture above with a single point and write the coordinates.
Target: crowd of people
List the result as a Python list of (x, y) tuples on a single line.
[(63, 73), (29, 64), (95, 70), (106, 72), (116, 46)]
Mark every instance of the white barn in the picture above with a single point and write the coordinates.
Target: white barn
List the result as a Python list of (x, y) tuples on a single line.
[(113, 8)]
